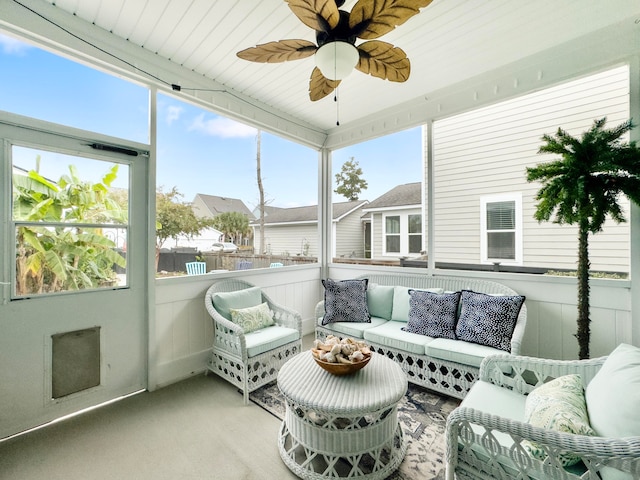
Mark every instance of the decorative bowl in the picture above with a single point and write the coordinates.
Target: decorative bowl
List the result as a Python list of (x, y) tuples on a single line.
[(342, 368)]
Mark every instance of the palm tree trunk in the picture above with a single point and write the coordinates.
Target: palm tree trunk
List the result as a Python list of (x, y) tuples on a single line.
[(583, 291)]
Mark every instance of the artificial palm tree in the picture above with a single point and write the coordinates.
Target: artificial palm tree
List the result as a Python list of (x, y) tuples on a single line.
[(584, 187)]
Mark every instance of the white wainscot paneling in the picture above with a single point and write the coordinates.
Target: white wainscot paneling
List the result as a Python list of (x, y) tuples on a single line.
[(182, 328), (551, 309)]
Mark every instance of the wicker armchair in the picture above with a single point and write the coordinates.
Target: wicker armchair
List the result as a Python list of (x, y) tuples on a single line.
[(482, 445), (251, 360)]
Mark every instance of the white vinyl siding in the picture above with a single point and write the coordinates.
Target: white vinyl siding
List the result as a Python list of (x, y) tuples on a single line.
[(288, 239), (349, 236), (486, 152)]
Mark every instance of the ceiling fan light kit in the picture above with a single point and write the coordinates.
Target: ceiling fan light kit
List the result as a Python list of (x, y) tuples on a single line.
[(336, 60), (336, 32)]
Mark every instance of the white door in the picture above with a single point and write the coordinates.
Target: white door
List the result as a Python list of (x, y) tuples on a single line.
[(73, 311)]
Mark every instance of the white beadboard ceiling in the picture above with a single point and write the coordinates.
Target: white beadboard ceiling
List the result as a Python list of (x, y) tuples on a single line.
[(450, 43)]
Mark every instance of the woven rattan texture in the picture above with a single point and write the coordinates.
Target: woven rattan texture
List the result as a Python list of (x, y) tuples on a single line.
[(229, 358), (341, 426), (451, 378), (473, 452)]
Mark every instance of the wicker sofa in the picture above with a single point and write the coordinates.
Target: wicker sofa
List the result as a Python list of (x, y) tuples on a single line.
[(487, 435), (441, 364)]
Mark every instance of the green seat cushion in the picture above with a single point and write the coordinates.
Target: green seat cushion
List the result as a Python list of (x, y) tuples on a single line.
[(252, 318), (390, 334), (613, 396), (459, 351), (225, 301), (558, 405), (261, 341), (400, 311), (380, 300), (352, 329), (490, 398)]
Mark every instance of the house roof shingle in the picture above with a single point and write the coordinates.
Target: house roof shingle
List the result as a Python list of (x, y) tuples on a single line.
[(309, 213), (217, 205), (407, 194)]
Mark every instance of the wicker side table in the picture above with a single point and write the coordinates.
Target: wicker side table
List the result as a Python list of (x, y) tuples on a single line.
[(341, 426)]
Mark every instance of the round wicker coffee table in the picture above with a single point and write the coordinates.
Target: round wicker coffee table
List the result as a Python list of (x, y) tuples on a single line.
[(341, 426)]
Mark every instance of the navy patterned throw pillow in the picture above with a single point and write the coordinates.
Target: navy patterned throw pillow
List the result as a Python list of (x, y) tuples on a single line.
[(433, 314), (488, 319), (345, 301)]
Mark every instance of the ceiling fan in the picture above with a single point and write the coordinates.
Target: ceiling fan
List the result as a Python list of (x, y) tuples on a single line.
[(336, 33)]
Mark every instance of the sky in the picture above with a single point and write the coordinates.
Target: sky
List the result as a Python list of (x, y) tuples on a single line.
[(198, 151)]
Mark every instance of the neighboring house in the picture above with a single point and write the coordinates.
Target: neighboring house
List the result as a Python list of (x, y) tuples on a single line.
[(212, 205), (268, 209), (484, 205), (294, 231), (393, 223)]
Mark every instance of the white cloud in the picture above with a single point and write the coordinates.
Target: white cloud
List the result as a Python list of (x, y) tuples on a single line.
[(221, 127), (11, 46), (173, 113)]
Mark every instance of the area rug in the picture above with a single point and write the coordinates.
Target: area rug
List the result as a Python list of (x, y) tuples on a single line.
[(422, 414)]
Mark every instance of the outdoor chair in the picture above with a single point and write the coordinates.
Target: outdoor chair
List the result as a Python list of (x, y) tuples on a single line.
[(515, 421), (252, 336), (196, 268), (244, 265)]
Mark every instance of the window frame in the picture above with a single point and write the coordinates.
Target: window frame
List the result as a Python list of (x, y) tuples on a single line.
[(404, 234), (386, 234), (414, 234), (516, 198)]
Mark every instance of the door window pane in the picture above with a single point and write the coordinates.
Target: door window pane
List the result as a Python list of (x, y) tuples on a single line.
[(70, 217)]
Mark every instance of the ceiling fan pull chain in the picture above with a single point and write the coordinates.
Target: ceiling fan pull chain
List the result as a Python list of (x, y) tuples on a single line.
[(335, 99)]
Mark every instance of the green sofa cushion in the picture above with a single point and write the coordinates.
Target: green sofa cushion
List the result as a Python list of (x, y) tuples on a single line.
[(352, 329), (380, 300), (461, 352), (390, 334)]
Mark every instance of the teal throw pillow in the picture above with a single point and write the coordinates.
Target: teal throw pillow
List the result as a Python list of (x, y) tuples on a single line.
[(558, 405), (380, 300), (248, 297), (252, 318)]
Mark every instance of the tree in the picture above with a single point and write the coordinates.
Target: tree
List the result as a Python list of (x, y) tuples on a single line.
[(260, 191), (174, 218), (232, 224), (51, 257), (349, 182), (583, 187)]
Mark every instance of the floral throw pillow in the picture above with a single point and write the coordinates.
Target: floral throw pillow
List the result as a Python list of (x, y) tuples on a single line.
[(488, 319), (345, 301), (558, 405), (252, 318), (433, 314)]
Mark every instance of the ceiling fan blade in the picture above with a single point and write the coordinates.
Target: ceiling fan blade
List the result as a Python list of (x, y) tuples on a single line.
[(373, 18), (383, 60), (276, 52), (321, 15), (320, 86)]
